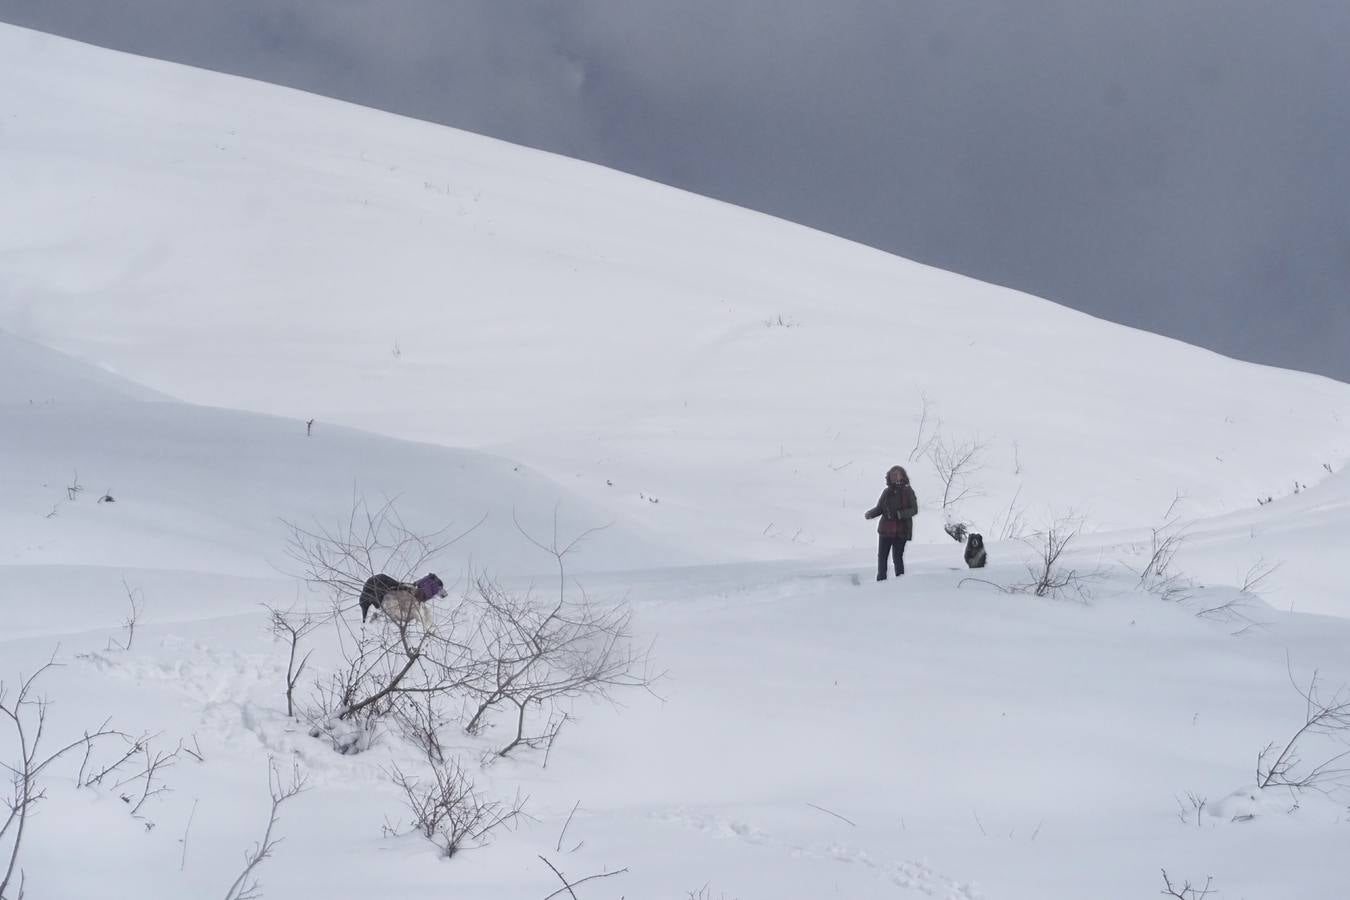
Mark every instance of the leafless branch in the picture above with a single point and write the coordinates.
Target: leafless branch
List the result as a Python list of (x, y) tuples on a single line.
[(562, 834), (26, 714), (247, 886), (155, 762), (1323, 716), (568, 885), (829, 812), (292, 627), (955, 463), (1257, 575), (1185, 891), (133, 617), (922, 443)]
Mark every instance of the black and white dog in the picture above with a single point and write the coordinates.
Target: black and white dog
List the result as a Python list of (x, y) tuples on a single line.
[(398, 601), (975, 555)]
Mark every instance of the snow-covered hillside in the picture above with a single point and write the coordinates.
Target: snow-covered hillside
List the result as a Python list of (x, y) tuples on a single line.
[(175, 225), (194, 265)]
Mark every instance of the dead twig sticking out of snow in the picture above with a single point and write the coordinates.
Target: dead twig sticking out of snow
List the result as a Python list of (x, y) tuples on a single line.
[(182, 861), (832, 813), (1257, 575), (562, 834), (921, 444), (195, 751), (568, 885), (704, 893), (1186, 891), (133, 617), (247, 886), (1011, 524), (74, 489)]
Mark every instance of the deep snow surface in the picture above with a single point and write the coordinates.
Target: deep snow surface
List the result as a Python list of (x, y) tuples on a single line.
[(489, 333)]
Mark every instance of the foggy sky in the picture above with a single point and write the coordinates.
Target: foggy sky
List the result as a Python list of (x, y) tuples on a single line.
[(1177, 165)]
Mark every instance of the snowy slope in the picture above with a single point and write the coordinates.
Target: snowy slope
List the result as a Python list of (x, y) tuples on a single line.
[(260, 253), (227, 480), (174, 225)]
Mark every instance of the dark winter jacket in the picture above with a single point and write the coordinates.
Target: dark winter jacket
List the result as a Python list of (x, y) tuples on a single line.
[(897, 508)]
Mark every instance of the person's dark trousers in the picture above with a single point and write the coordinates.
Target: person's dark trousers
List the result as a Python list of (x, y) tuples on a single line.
[(888, 546)]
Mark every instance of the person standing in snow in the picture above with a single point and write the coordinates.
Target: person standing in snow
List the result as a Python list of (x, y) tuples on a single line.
[(897, 508)]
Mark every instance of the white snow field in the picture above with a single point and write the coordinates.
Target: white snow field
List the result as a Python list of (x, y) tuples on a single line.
[(193, 265)]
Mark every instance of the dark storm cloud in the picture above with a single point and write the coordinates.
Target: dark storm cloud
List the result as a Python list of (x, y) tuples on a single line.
[(1181, 167)]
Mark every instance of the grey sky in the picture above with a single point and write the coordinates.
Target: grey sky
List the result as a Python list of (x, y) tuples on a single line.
[(1178, 165)]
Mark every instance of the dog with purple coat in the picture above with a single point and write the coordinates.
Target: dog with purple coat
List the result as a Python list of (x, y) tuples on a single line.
[(400, 601)]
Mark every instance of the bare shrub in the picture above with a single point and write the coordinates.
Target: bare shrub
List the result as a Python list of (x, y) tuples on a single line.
[(1159, 575), (378, 665), (1236, 610), (1196, 810), (1323, 716), (26, 713), (535, 654), (956, 462), (1047, 575), (292, 627), (1186, 891), (489, 649), (449, 811), (1257, 576), (1011, 524), (382, 667), (247, 886)]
